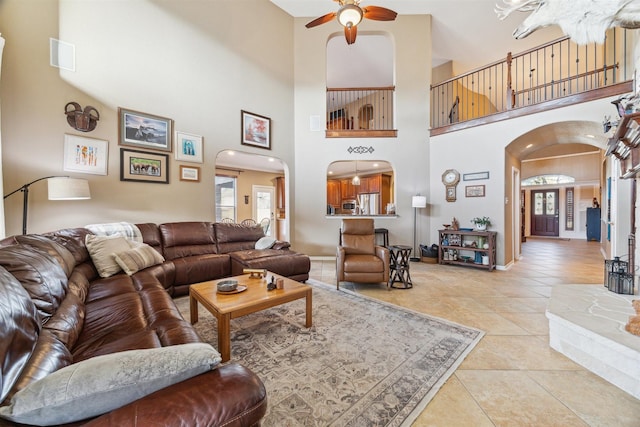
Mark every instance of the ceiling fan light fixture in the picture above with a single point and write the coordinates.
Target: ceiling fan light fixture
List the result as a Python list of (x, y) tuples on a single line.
[(349, 15)]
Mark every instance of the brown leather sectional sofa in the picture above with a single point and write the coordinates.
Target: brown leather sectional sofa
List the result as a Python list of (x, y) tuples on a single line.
[(56, 311)]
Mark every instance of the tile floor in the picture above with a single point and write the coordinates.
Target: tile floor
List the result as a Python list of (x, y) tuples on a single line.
[(512, 377)]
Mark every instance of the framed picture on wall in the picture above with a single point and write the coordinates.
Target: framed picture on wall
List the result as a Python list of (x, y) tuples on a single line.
[(188, 147), (85, 155), (189, 173), (474, 191), (143, 166), (142, 130), (256, 130)]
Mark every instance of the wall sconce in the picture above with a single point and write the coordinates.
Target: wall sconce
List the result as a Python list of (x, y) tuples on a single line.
[(83, 120), (59, 188), (246, 200)]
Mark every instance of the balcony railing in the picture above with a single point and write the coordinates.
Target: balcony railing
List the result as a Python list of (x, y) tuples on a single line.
[(552, 71), (360, 112)]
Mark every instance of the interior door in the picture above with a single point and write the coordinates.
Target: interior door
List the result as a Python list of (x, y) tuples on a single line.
[(545, 213), (264, 206)]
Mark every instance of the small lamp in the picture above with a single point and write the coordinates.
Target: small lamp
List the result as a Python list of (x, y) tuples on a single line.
[(60, 188), (417, 202), (356, 179)]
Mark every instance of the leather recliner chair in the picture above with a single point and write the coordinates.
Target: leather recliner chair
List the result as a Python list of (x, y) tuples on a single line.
[(358, 258)]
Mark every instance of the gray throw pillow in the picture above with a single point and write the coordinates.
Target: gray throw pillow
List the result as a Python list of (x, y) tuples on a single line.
[(102, 249), (103, 383), (265, 242)]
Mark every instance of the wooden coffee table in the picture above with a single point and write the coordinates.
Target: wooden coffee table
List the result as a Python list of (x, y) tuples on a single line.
[(256, 298)]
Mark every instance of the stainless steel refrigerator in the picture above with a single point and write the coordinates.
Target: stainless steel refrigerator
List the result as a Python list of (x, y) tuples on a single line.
[(369, 204)]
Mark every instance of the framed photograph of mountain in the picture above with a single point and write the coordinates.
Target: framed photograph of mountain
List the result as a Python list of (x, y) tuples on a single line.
[(142, 130), (256, 130)]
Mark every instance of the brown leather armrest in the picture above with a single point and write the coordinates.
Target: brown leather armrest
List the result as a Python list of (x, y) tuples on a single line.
[(230, 395), (383, 253), (279, 244)]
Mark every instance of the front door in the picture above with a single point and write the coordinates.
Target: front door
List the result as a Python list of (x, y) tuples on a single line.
[(544, 213)]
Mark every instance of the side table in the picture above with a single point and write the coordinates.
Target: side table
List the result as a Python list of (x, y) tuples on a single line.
[(399, 266)]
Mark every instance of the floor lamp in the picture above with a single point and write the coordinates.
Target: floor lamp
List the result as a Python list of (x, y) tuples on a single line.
[(417, 202), (59, 188)]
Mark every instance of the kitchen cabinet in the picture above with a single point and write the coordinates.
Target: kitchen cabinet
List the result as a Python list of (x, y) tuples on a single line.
[(281, 201), (334, 197), (347, 189), (373, 183)]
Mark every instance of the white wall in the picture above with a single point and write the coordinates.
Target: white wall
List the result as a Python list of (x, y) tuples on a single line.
[(482, 148), (197, 62), (408, 153)]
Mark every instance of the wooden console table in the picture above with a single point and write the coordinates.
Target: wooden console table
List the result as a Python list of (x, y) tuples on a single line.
[(467, 248)]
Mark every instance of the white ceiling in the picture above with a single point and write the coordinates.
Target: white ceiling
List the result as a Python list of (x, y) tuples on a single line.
[(467, 32)]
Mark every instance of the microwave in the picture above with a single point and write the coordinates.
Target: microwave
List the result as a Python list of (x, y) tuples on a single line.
[(349, 206)]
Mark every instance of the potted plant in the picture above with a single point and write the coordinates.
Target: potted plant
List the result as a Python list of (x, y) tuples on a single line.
[(481, 223)]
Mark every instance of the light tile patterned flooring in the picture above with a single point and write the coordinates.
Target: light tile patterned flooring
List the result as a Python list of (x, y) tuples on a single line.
[(512, 377)]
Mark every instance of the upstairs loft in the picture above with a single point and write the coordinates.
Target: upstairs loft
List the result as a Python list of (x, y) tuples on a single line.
[(553, 75), (556, 74)]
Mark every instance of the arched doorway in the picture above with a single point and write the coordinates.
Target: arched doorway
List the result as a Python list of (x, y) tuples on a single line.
[(245, 179), (563, 148)]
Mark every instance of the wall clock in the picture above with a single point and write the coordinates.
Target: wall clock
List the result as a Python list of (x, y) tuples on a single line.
[(450, 179)]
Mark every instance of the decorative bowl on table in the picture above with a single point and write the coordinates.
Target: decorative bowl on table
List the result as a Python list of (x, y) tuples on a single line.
[(227, 285)]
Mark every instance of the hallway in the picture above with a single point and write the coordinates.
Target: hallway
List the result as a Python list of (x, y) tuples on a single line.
[(512, 377)]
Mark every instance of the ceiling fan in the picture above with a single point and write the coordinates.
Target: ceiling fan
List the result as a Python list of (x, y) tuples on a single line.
[(350, 14)]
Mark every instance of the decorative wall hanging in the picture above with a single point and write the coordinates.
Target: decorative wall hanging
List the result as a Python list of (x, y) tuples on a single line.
[(360, 150), (85, 155), (82, 120), (475, 176), (144, 166), (143, 130), (188, 147), (189, 173), (256, 130), (474, 191)]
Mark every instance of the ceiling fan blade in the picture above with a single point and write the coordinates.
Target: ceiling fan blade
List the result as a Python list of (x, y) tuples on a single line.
[(378, 13), (321, 20), (350, 34)]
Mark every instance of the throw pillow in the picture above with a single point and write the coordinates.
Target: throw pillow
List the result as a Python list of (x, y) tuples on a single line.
[(101, 250), (136, 259), (104, 383), (265, 242)]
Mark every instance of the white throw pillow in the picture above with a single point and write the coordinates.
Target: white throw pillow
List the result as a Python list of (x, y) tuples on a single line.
[(102, 249), (104, 383), (137, 258), (265, 242)]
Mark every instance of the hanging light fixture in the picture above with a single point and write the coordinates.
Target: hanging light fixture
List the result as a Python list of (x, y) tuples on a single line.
[(356, 179), (350, 15)]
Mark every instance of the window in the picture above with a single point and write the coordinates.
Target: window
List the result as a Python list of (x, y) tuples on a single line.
[(225, 198), (548, 180)]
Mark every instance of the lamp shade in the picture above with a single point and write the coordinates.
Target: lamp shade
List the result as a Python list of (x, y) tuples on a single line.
[(418, 202), (61, 188)]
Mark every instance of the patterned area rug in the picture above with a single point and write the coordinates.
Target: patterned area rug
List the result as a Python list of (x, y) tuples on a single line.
[(362, 363)]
